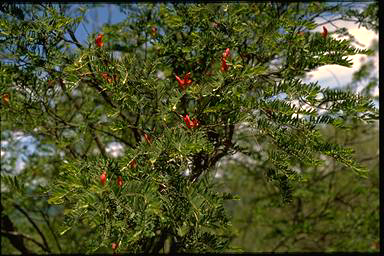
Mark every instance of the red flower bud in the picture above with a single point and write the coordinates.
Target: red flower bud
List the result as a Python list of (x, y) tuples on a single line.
[(107, 77), (103, 178), (114, 246), (187, 120), (190, 123), (325, 32), (5, 98), (195, 123), (99, 40), (50, 83), (226, 53), (147, 138), (133, 164), (119, 181), (224, 66), (185, 82), (153, 31)]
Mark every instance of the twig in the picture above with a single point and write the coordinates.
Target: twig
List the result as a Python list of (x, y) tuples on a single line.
[(50, 228), (16, 241), (20, 235), (114, 136), (34, 225), (99, 144)]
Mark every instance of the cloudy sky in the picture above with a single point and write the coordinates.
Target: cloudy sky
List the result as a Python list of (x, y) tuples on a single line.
[(335, 75)]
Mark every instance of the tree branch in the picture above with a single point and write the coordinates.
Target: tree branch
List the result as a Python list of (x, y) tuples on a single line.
[(12, 235), (8, 230), (34, 225), (45, 217)]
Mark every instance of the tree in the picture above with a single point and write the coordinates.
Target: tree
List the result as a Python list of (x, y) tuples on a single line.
[(184, 80)]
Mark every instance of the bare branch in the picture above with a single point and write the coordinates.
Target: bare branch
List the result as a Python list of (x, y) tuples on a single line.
[(34, 225), (14, 234)]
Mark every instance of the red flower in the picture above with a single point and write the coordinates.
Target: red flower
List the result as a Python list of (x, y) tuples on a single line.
[(226, 53), (153, 31), (325, 32), (50, 83), (99, 40), (107, 77), (147, 138), (119, 181), (184, 83), (114, 246), (195, 123), (5, 98), (133, 164), (224, 65), (103, 178), (190, 123)]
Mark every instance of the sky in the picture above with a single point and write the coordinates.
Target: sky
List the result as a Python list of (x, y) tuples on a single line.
[(327, 76), (335, 75)]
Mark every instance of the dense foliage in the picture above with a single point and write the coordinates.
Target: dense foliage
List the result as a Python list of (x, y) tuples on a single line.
[(181, 87)]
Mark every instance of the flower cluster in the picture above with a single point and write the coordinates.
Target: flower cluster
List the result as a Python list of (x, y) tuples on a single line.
[(107, 77), (185, 82), (148, 138), (99, 40), (103, 178), (224, 66), (5, 99), (133, 164), (153, 31), (190, 123), (119, 181), (325, 32)]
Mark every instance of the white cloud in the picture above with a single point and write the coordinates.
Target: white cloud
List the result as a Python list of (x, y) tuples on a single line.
[(160, 74), (219, 173), (376, 92), (187, 172), (20, 165), (4, 188), (115, 149), (17, 135), (335, 75)]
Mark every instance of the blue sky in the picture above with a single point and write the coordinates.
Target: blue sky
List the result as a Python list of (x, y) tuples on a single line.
[(96, 17)]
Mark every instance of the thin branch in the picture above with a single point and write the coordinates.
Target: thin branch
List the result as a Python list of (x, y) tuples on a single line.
[(95, 85), (16, 241), (34, 225), (99, 144), (114, 136), (50, 229), (15, 234), (74, 39)]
